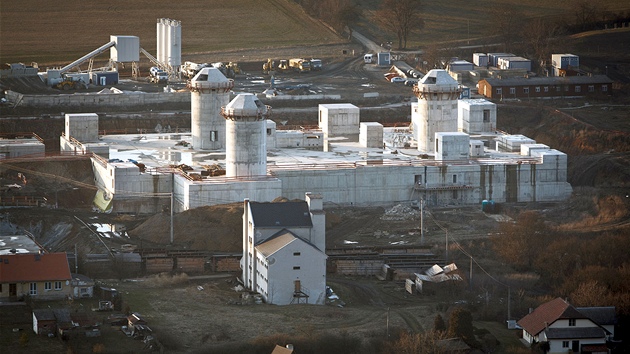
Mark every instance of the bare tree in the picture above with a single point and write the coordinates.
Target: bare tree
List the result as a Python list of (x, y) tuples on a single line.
[(541, 38), (504, 23), (586, 14), (400, 17)]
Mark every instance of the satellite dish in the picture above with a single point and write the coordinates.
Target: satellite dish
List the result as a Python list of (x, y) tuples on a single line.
[(271, 260)]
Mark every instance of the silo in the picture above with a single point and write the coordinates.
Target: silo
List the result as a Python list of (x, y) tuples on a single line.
[(169, 42), (436, 111), (209, 91), (246, 138)]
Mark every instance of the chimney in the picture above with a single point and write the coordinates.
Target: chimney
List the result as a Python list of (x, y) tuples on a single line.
[(318, 217)]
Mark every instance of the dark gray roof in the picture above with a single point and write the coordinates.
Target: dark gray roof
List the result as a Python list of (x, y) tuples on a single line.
[(44, 314), (575, 332), (522, 81), (287, 214), (604, 315)]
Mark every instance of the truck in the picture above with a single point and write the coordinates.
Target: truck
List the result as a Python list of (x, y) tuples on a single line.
[(283, 64), (316, 64), (300, 65), (158, 75), (269, 67), (189, 69)]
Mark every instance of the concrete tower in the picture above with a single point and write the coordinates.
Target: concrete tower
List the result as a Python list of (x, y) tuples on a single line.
[(246, 139), (210, 91), (436, 110)]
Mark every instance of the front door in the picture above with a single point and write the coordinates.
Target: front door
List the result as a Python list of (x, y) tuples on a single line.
[(12, 289), (575, 346)]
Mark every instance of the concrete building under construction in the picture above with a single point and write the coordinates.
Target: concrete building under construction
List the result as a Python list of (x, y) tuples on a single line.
[(441, 158)]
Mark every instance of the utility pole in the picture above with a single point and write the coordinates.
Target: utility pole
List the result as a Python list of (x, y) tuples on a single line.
[(387, 323), (509, 300), (421, 221), (446, 256), (76, 259), (470, 283), (172, 203)]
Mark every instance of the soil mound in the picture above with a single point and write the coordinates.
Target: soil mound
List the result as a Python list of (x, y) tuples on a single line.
[(215, 228)]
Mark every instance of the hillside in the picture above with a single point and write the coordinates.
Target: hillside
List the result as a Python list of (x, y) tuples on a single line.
[(52, 33)]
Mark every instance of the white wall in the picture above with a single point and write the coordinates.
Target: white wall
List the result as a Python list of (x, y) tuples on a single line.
[(311, 273)]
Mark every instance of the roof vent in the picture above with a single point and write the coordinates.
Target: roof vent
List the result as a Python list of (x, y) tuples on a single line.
[(277, 222)]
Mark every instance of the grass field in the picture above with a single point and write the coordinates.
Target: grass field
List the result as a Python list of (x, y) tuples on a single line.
[(57, 32)]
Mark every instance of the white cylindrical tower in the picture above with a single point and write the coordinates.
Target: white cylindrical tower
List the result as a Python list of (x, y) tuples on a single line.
[(169, 42), (436, 111), (246, 138), (210, 91)]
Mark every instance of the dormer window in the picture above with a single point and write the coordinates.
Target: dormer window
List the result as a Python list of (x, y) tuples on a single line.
[(571, 322)]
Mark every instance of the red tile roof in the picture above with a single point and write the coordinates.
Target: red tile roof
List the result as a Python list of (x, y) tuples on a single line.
[(21, 268), (546, 314)]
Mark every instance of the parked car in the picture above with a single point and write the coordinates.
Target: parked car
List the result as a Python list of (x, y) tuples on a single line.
[(410, 82), (397, 79)]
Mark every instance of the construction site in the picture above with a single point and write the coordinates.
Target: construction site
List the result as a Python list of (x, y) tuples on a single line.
[(145, 172)]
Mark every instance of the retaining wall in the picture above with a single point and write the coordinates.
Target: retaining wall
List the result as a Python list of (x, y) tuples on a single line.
[(91, 99)]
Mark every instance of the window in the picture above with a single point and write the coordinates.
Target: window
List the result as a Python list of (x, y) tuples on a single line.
[(214, 135), (269, 131), (33, 289), (47, 286), (499, 91), (296, 253), (565, 344), (546, 88), (591, 88), (566, 88), (418, 179), (454, 178), (486, 115), (455, 194), (537, 88), (526, 90), (604, 88), (571, 322), (557, 88), (512, 90), (296, 267), (578, 88)]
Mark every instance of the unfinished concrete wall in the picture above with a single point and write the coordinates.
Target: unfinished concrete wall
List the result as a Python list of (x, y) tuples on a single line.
[(476, 116), (85, 100), (222, 190), (443, 185), (371, 134)]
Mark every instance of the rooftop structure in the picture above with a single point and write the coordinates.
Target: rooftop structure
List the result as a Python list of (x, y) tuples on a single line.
[(18, 244), (21, 144)]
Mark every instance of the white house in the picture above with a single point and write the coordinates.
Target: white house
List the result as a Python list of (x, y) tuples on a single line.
[(284, 250), (565, 329)]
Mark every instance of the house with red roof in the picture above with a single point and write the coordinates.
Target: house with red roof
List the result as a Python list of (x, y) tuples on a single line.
[(44, 276), (564, 328)]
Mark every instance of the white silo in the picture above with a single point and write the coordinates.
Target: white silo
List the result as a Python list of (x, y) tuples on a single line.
[(169, 42), (209, 90), (436, 110), (246, 138)]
